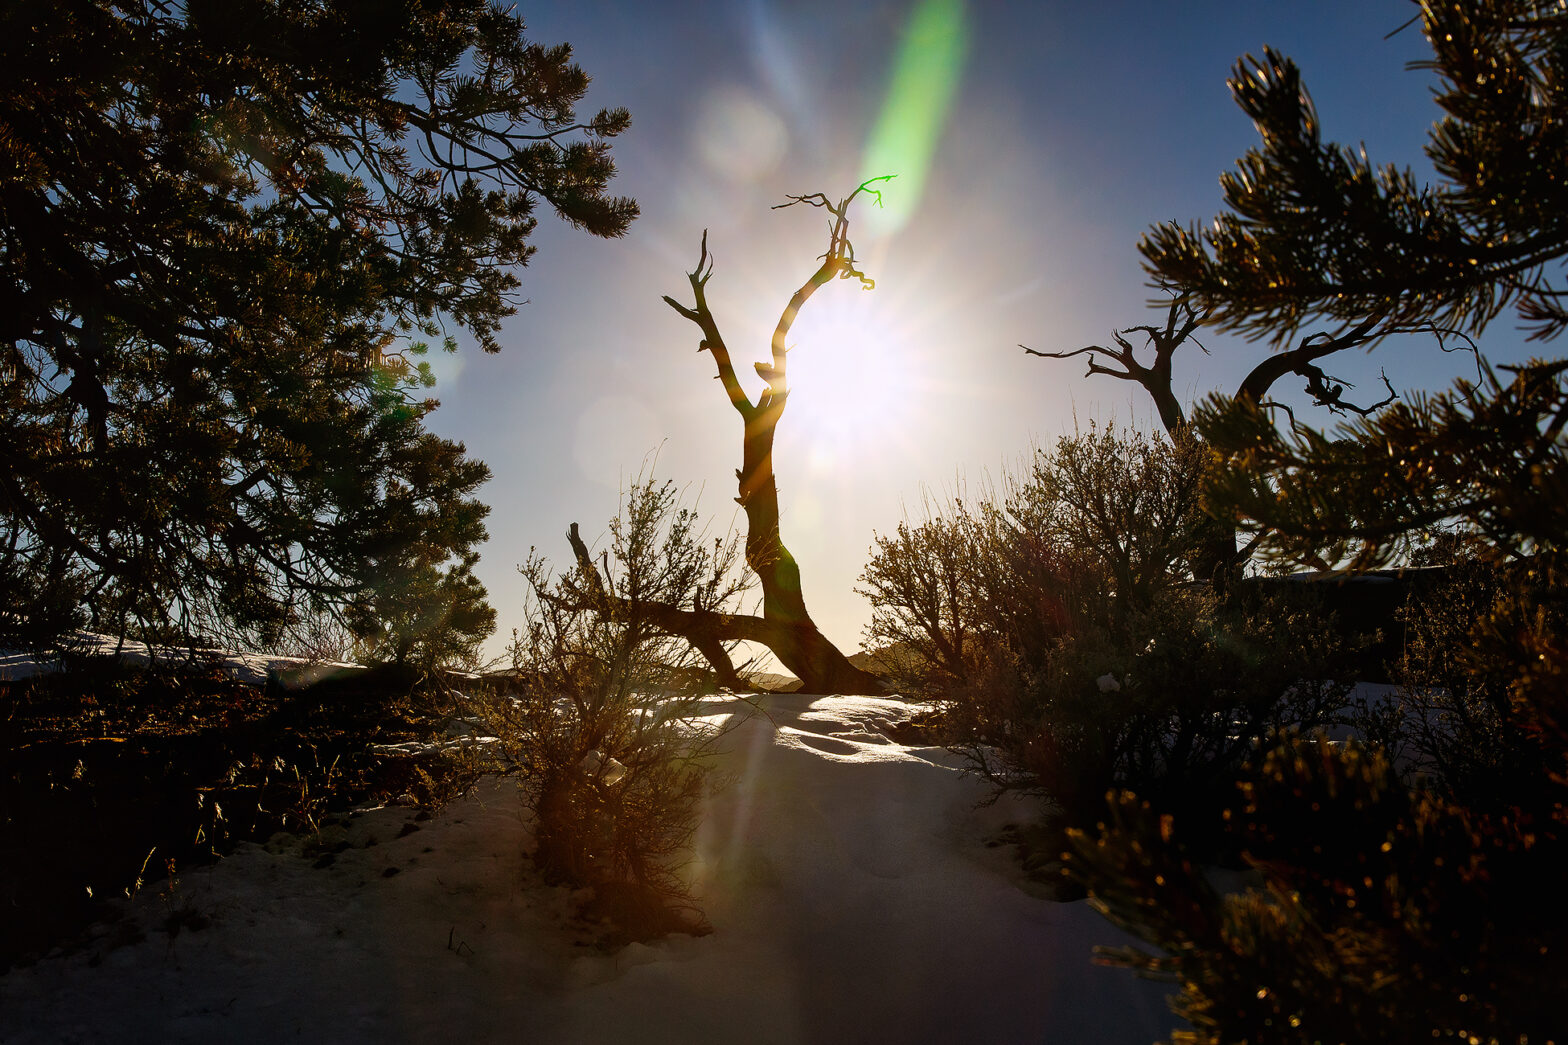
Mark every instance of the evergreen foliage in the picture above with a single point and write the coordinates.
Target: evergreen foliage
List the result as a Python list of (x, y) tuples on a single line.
[(1373, 913), (1315, 231), (1489, 458), (225, 229), (1376, 910)]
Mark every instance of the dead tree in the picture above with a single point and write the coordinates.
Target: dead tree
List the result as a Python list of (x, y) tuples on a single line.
[(785, 626), (1182, 322)]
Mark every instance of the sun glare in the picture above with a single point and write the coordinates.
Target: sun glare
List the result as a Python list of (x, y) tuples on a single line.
[(855, 386)]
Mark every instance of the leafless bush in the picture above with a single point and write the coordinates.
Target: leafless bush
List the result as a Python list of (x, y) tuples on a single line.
[(1062, 629), (925, 583), (1128, 503), (319, 638), (599, 720), (1086, 538)]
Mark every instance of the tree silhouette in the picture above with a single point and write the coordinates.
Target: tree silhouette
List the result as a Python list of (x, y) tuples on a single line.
[(791, 634), (1183, 320), (1314, 232), (1223, 555), (785, 626), (225, 228), (1386, 911)]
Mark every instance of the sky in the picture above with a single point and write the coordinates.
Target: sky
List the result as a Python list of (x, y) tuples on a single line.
[(1033, 144)]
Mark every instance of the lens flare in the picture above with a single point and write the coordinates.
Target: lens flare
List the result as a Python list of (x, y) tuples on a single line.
[(856, 380), (739, 135), (925, 78)]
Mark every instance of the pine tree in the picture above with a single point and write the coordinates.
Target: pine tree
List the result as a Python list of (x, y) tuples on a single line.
[(1315, 231), (1489, 457), (225, 230), (1381, 912)]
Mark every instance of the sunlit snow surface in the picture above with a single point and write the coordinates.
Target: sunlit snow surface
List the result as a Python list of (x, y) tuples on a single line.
[(847, 878)]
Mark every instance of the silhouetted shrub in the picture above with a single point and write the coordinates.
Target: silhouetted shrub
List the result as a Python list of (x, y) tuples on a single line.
[(107, 762), (1383, 908), (1454, 722), (1170, 706), (598, 719), (1089, 537), (1374, 912), (1064, 634)]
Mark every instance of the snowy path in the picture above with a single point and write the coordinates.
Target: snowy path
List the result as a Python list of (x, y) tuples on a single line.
[(847, 879)]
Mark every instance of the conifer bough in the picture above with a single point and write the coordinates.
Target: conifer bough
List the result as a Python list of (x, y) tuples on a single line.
[(224, 230)]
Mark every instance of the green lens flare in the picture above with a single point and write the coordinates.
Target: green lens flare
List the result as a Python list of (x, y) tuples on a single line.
[(930, 62)]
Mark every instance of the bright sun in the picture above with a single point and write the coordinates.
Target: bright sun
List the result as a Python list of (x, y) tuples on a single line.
[(854, 380)]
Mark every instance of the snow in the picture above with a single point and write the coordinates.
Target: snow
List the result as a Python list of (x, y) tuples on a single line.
[(250, 668), (847, 878)]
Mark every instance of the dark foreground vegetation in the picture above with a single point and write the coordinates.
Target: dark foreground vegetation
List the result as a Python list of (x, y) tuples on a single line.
[(230, 235), (117, 777), (1397, 850), (1401, 885)]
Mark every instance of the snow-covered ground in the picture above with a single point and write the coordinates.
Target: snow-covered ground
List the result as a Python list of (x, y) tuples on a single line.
[(252, 668), (847, 878)]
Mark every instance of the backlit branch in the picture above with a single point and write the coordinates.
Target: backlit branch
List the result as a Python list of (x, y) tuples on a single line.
[(839, 261), (1328, 391), (712, 341), (785, 626), (1181, 320)]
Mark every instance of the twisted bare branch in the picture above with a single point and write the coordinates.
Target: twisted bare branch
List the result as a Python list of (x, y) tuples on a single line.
[(1181, 321)]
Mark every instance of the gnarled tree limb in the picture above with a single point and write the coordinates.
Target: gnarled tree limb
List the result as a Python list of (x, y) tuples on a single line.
[(1181, 321), (785, 625)]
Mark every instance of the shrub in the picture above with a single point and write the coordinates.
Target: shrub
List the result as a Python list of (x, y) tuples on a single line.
[(1382, 912), (1064, 634), (938, 599), (599, 720), (1455, 721), (1171, 705), (1378, 913), (1129, 501), (106, 762), (1096, 530)]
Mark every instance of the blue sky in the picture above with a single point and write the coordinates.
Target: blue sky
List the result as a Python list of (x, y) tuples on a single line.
[(1072, 128)]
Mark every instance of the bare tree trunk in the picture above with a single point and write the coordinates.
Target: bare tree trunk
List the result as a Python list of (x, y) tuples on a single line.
[(797, 643), (794, 638), (786, 626)]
